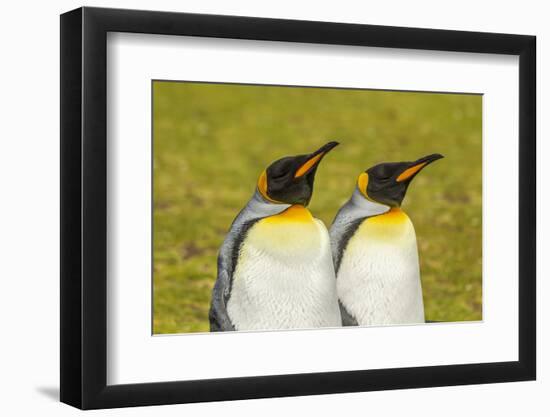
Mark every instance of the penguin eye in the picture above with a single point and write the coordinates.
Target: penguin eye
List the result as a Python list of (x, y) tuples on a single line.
[(383, 178), (278, 174), (384, 172), (280, 169)]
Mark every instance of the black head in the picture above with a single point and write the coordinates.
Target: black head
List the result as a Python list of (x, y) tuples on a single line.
[(387, 183), (289, 180)]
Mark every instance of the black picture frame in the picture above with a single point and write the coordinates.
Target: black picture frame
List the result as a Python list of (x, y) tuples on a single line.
[(84, 207)]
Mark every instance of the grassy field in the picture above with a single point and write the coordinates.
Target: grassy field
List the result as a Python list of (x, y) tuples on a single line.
[(211, 142)]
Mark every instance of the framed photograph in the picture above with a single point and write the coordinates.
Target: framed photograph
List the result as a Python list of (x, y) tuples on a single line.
[(258, 208)]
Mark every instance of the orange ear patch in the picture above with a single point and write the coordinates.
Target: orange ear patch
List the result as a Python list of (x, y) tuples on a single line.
[(362, 182), (262, 187), (307, 165), (409, 172)]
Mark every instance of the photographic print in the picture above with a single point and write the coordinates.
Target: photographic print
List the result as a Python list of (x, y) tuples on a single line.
[(325, 186), (289, 207)]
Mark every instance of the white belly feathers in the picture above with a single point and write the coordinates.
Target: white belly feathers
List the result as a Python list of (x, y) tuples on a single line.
[(379, 279), (284, 277)]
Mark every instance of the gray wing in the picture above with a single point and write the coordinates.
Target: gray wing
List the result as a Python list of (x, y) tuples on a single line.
[(343, 227), (256, 209), (347, 318), (218, 316), (227, 260), (341, 230), (345, 224), (347, 220)]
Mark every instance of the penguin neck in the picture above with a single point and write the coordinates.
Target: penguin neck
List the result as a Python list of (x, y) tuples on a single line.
[(363, 208), (259, 207)]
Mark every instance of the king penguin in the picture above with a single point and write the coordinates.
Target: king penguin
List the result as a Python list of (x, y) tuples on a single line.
[(374, 249), (275, 268)]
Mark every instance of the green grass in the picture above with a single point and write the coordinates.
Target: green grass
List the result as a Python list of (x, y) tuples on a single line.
[(211, 142)]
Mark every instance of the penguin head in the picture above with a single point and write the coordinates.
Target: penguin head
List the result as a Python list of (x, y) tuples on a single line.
[(289, 180), (387, 183)]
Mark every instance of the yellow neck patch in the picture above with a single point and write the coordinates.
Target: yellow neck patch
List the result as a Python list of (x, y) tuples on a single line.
[(292, 234), (296, 213), (392, 226), (393, 217)]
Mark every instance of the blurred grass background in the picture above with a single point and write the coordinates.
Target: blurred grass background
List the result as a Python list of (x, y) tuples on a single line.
[(211, 142)]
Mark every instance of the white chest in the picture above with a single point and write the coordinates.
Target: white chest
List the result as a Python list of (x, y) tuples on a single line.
[(284, 278), (379, 279)]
